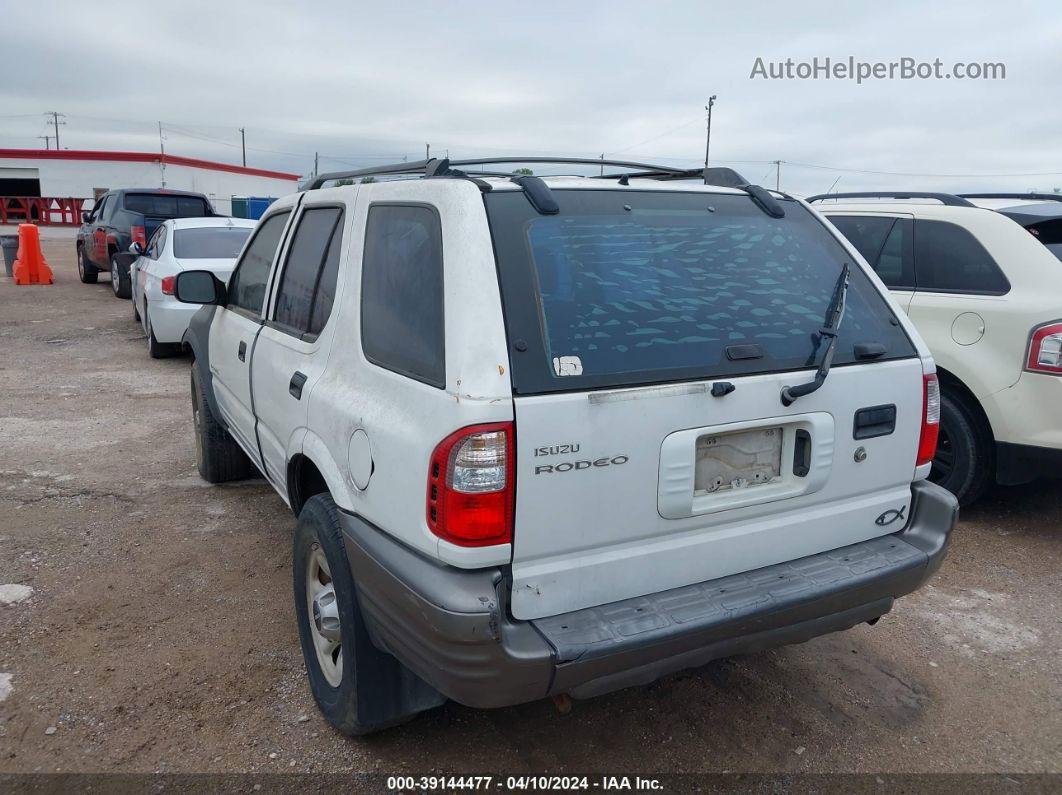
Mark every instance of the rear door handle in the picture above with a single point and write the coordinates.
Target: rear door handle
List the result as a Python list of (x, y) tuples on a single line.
[(295, 385), (242, 352)]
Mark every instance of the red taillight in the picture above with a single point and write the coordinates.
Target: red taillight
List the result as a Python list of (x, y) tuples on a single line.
[(139, 236), (1045, 350), (167, 284), (927, 442), (470, 486)]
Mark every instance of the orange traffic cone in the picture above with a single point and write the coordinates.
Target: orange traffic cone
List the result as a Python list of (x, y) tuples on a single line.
[(30, 267)]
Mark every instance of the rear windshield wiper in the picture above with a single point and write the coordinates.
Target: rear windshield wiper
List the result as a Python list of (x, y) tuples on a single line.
[(834, 314)]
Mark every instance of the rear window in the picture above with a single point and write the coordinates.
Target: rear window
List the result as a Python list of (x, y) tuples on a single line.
[(167, 205), (1050, 234), (209, 242), (634, 287)]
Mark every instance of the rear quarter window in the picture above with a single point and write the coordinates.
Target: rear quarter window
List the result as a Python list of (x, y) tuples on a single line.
[(402, 292), (950, 259)]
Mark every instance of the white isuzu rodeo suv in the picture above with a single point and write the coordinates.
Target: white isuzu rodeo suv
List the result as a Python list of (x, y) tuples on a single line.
[(565, 435)]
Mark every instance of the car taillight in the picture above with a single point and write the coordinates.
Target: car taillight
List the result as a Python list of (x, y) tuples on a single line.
[(167, 284), (1045, 350), (470, 486), (139, 236), (927, 442)]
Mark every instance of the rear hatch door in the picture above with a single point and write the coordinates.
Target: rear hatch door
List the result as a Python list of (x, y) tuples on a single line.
[(652, 334)]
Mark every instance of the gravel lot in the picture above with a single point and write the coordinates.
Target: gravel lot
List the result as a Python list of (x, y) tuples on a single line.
[(159, 633)]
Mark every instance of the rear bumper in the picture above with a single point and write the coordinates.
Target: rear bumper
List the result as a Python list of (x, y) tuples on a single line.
[(1020, 463), (452, 627)]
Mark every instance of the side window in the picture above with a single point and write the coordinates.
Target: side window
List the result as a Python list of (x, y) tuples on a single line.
[(402, 292), (949, 259), (883, 243), (157, 243), (864, 232), (306, 256), (326, 284), (247, 287), (97, 211)]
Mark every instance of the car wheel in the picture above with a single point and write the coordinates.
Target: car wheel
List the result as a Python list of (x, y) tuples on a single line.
[(357, 687), (85, 271), (156, 349), (965, 461), (218, 457), (120, 279)]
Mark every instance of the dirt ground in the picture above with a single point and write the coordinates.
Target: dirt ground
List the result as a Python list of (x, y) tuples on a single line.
[(160, 636)]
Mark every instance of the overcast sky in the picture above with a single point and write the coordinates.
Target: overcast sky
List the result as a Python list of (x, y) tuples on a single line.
[(364, 83)]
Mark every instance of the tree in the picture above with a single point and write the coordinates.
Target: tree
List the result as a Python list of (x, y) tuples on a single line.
[(341, 182), (524, 171), (367, 180)]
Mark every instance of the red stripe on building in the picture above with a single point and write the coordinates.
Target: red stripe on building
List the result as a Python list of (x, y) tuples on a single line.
[(139, 157)]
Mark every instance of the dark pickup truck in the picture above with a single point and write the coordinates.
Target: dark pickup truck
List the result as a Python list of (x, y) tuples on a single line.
[(123, 217)]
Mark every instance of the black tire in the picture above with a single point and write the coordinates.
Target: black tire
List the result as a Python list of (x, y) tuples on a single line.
[(376, 691), (965, 461), (156, 349), (87, 273), (120, 282), (218, 457)]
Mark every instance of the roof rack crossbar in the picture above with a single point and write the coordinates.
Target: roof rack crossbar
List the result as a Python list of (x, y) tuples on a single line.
[(947, 199), (1032, 196)]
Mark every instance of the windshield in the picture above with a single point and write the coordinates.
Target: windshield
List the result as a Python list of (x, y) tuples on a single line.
[(209, 242), (166, 205), (634, 287)]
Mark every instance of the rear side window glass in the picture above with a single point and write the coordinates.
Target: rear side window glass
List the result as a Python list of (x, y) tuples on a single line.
[(950, 259), (402, 292), (166, 206), (326, 283), (883, 243), (209, 242), (867, 234), (650, 286), (305, 258), (157, 244), (247, 288)]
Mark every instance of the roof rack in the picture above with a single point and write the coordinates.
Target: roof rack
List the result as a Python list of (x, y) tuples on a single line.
[(435, 167), (947, 199), (1043, 197), (538, 192)]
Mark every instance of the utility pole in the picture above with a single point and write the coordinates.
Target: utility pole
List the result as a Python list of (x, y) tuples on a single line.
[(778, 175), (602, 164), (162, 156), (315, 164), (427, 151), (47, 141), (243, 147), (55, 121), (708, 138)]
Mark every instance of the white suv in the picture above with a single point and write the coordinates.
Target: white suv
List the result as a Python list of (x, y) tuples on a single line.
[(983, 288), (564, 435)]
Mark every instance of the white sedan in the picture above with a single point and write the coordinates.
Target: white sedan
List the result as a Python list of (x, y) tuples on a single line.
[(211, 244)]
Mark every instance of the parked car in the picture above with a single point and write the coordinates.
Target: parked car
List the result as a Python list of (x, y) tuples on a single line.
[(122, 217), (982, 286), (564, 435), (210, 244)]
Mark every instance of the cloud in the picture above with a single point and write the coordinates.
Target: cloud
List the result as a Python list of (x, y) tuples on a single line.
[(364, 82)]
